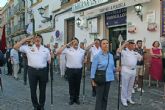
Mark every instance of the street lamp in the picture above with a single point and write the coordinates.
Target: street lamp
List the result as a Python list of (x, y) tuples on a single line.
[(41, 11), (78, 21), (138, 9)]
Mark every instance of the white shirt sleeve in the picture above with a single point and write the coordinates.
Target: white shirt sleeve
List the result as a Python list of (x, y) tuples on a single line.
[(11, 52), (49, 56), (65, 51), (23, 48)]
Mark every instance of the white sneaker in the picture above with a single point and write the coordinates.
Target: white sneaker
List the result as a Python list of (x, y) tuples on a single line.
[(124, 103), (135, 86), (133, 91), (139, 90), (131, 102)]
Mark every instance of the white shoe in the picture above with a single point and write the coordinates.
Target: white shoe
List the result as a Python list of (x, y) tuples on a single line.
[(133, 91), (124, 103), (135, 86), (131, 102), (139, 90)]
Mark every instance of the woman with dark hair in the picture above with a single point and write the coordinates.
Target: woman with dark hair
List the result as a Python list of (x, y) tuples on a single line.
[(156, 63), (103, 61)]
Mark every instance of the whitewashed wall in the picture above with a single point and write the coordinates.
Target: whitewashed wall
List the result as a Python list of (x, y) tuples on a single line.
[(142, 31), (60, 25), (53, 5), (84, 33)]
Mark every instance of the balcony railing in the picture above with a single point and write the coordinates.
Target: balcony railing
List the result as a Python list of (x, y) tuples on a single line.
[(19, 28), (19, 8), (10, 14), (8, 31)]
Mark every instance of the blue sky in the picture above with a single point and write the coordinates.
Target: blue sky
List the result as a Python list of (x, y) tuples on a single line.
[(2, 3)]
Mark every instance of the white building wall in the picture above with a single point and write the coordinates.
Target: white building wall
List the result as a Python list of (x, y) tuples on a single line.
[(141, 27), (53, 5), (83, 32), (60, 25)]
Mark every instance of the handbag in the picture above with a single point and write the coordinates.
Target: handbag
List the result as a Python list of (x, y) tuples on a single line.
[(100, 76)]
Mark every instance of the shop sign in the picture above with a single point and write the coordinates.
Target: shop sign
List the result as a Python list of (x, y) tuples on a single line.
[(86, 4), (116, 17), (113, 6)]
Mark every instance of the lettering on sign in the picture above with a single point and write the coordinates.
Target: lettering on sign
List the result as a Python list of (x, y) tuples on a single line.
[(86, 4), (116, 17)]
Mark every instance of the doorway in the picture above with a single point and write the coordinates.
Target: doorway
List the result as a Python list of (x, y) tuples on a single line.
[(70, 29), (114, 33)]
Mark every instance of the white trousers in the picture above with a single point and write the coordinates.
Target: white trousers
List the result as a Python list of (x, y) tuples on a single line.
[(15, 70), (62, 67), (127, 85)]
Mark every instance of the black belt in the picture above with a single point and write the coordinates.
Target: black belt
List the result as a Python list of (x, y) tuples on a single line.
[(36, 68), (74, 68), (132, 68)]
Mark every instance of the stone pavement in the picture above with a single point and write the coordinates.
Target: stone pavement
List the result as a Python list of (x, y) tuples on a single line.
[(16, 96)]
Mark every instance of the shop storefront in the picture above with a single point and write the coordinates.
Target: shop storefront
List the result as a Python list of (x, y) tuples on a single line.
[(121, 18)]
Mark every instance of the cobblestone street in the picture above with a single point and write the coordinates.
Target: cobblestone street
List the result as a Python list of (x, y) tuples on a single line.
[(16, 96)]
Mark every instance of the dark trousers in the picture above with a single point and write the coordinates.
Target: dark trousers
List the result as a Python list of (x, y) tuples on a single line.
[(102, 96), (74, 79), (9, 68), (38, 76), (93, 87), (25, 73)]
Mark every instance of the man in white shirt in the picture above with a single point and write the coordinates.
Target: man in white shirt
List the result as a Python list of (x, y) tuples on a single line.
[(74, 63), (37, 56), (94, 49), (129, 60), (15, 62)]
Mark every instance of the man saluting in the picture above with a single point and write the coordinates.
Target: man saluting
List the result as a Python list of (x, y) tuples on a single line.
[(37, 56)]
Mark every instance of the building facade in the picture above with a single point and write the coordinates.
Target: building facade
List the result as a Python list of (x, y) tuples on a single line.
[(3, 19), (15, 21), (118, 18), (61, 20)]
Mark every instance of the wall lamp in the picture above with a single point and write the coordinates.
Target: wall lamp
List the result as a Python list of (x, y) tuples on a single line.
[(41, 11), (138, 9), (78, 21)]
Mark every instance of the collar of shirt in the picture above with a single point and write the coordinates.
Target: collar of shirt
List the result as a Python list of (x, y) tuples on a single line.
[(36, 49), (105, 54)]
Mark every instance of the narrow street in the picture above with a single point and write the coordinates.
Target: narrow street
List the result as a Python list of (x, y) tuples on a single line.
[(16, 96)]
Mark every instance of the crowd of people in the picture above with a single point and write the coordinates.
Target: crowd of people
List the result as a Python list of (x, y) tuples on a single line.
[(69, 60)]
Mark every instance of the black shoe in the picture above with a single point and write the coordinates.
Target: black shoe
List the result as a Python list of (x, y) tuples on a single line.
[(77, 102), (71, 102)]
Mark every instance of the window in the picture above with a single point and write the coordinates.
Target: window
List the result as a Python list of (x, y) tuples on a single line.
[(64, 1), (35, 2)]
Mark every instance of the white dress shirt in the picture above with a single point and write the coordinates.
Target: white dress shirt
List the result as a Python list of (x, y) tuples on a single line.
[(94, 51), (74, 57), (129, 60), (37, 58), (14, 56)]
